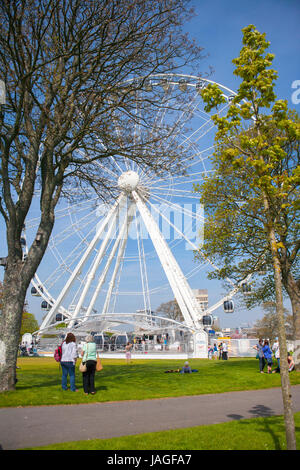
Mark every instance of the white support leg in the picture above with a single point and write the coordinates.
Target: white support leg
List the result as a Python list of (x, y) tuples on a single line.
[(95, 266), (122, 235), (118, 260), (182, 292)]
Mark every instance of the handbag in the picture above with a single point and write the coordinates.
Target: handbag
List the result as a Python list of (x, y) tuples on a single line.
[(99, 365)]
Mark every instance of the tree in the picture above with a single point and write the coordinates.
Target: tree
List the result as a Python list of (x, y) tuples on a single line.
[(67, 66), (29, 324), (267, 327), (252, 200), (170, 310)]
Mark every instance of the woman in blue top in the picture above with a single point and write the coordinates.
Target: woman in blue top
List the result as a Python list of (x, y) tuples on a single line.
[(268, 355), (89, 357)]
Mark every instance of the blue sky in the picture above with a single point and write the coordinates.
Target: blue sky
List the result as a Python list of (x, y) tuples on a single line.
[(217, 28)]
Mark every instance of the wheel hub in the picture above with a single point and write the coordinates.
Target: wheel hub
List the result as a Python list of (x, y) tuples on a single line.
[(128, 181)]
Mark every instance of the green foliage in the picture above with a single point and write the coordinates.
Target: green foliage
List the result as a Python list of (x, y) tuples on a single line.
[(255, 184), (29, 324)]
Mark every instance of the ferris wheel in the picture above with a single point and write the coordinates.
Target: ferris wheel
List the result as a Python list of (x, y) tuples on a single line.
[(124, 257)]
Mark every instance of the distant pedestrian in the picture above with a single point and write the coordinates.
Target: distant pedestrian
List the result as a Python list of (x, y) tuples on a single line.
[(68, 361), (268, 355), (276, 351), (220, 347), (128, 348), (260, 355), (215, 351), (210, 352), (291, 363), (225, 351)]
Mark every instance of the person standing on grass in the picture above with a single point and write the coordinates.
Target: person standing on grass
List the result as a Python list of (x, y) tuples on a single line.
[(220, 347), (68, 361), (215, 351), (128, 348), (260, 355), (225, 351), (276, 351), (89, 357), (268, 355)]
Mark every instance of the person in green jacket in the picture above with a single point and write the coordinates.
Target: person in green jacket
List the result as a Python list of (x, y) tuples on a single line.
[(89, 357)]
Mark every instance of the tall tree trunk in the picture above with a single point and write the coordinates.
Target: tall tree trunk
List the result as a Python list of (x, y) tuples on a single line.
[(284, 372), (14, 293)]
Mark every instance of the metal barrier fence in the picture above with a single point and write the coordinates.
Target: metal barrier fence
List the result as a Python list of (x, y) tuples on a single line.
[(236, 347)]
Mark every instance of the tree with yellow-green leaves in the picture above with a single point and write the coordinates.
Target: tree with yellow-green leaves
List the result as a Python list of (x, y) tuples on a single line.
[(29, 324), (252, 198)]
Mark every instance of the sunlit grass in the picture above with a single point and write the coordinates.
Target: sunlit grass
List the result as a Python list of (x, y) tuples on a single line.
[(248, 434), (39, 380)]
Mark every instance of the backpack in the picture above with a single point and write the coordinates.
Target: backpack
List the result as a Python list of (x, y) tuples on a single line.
[(58, 353)]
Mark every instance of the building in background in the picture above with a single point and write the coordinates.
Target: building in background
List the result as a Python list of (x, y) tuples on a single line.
[(202, 298)]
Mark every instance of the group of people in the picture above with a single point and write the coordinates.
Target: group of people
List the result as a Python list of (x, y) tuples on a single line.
[(26, 349), (218, 351), (68, 362), (89, 358), (265, 355)]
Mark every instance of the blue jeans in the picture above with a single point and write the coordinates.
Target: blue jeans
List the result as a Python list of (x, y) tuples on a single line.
[(68, 368)]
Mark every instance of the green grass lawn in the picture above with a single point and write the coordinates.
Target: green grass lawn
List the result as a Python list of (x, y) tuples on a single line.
[(248, 434), (39, 383), (39, 380)]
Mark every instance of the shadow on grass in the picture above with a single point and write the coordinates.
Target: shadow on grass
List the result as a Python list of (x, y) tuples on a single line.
[(275, 427)]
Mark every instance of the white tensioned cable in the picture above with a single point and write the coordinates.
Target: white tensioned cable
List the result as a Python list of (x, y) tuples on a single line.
[(184, 210), (143, 271), (157, 123), (192, 216), (191, 243), (119, 259), (74, 255), (102, 278), (117, 284), (146, 276), (140, 262), (137, 126), (98, 259), (179, 119), (85, 280), (191, 143), (231, 293), (199, 129), (178, 283), (181, 176), (83, 260)]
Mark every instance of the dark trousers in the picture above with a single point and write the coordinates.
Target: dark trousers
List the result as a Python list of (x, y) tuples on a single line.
[(88, 377), (262, 363)]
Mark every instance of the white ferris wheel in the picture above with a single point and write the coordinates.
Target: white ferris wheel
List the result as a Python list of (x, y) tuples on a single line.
[(114, 262)]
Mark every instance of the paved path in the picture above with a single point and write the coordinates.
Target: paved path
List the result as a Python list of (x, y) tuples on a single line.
[(42, 425)]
